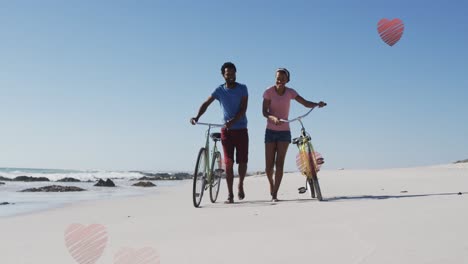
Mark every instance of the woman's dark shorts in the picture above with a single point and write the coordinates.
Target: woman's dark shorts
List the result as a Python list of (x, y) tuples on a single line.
[(272, 136)]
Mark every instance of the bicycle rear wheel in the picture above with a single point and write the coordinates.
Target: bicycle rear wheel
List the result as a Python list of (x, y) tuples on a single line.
[(313, 180), (199, 178), (216, 173)]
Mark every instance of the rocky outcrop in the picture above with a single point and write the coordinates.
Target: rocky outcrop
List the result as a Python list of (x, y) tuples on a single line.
[(69, 180), (107, 183), (144, 184), (30, 179), (255, 173), (1, 183), (163, 176), (461, 161), (55, 188), (4, 179), (149, 178), (4, 203)]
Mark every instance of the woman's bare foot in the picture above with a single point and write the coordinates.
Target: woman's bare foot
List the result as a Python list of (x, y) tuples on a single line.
[(229, 200)]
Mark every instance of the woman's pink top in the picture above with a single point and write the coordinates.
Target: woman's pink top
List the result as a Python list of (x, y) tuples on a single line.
[(279, 106)]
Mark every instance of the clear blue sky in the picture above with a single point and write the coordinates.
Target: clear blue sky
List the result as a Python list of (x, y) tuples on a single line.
[(112, 84)]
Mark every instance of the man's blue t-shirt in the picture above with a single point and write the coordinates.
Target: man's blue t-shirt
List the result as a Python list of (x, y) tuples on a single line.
[(230, 101)]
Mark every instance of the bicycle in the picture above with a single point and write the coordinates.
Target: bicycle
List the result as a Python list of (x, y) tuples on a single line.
[(206, 176), (306, 160)]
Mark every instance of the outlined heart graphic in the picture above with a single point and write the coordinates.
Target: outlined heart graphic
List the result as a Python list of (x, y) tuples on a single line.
[(390, 31), (86, 243), (146, 255)]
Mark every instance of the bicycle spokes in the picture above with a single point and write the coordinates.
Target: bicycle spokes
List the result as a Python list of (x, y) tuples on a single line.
[(302, 161)]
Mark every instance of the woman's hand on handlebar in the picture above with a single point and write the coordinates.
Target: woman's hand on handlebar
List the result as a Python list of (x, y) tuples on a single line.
[(276, 120), (321, 104)]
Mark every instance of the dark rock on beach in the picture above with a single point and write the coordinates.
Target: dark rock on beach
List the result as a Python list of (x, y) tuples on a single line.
[(107, 183), (255, 173), (30, 179), (461, 161), (144, 184), (55, 188), (69, 180), (164, 176), (2, 183), (4, 203), (4, 179), (149, 178)]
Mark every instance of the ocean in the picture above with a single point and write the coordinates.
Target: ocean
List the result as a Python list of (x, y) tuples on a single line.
[(29, 202)]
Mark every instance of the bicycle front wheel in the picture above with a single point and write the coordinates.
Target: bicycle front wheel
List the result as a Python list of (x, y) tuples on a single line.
[(216, 173), (199, 178), (310, 182), (313, 180)]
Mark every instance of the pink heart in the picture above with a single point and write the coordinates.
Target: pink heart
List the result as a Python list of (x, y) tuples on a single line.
[(390, 30), (144, 255), (86, 243)]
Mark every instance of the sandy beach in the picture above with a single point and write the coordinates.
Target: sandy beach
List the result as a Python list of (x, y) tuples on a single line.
[(409, 215)]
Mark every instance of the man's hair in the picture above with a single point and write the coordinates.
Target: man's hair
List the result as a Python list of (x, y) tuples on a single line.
[(229, 65)]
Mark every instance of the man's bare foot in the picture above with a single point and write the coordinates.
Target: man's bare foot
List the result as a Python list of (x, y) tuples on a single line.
[(241, 194)]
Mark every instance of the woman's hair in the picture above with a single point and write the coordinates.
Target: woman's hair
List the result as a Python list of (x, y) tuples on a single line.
[(285, 71), (228, 65)]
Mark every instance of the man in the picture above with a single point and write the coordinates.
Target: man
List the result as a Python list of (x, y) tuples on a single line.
[(233, 98)]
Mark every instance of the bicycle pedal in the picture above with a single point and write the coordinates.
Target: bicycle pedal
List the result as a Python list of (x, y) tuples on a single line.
[(302, 190)]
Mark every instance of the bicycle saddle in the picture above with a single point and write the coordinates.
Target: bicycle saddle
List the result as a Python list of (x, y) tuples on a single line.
[(215, 136)]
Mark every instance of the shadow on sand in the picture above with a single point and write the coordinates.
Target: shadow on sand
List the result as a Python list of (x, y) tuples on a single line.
[(382, 197), (262, 203), (257, 203)]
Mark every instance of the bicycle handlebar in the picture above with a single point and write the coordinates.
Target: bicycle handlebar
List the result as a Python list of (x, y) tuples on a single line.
[(209, 124), (297, 118)]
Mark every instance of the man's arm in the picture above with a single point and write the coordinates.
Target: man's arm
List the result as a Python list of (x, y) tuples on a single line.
[(202, 109)]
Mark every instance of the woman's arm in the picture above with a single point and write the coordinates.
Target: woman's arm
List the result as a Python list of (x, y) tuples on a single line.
[(309, 104), (266, 113)]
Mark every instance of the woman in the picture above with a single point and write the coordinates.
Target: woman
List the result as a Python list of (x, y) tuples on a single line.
[(276, 104)]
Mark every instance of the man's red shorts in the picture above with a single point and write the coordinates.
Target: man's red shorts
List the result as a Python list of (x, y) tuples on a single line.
[(237, 140)]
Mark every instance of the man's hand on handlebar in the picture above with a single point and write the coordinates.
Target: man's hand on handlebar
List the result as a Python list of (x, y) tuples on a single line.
[(194, 120)]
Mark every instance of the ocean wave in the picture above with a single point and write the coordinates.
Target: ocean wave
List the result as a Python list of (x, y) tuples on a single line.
[(57, 174)]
